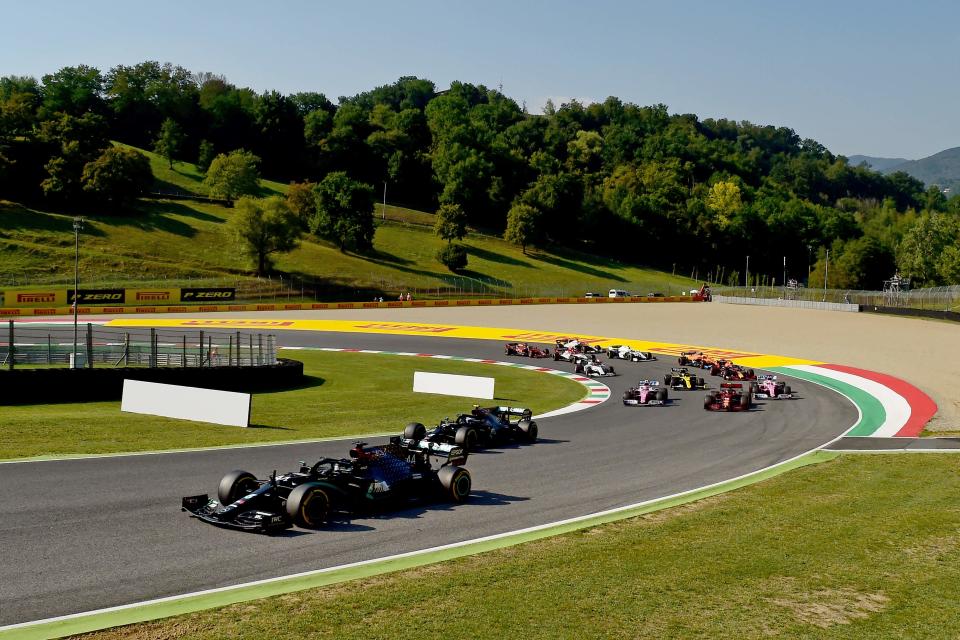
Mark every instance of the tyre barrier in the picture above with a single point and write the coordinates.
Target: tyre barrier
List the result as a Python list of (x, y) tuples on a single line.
[(49, 385)]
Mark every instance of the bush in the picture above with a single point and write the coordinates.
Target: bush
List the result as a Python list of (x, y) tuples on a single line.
[(453, 257)]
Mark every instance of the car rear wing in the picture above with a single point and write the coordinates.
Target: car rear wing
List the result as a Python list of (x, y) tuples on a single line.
[(767, 377), (512, 411), (455, 454), (679, 370), (731, 385), (649, 383)]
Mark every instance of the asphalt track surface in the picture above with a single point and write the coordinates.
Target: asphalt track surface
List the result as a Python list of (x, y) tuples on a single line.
[(85, 534)]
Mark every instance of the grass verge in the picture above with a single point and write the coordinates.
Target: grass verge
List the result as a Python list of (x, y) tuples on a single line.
[(854, 548), (344, 394)]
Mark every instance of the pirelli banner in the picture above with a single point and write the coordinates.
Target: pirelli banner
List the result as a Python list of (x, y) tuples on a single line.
[(35, 298), (114, 297)]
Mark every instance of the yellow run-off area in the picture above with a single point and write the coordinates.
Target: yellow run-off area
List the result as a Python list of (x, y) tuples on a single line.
[(756, 360)]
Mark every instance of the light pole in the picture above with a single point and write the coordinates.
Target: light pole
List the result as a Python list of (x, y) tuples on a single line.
[(746, 275), (826, 271), (809, 248), (77, 226), (383, 213)]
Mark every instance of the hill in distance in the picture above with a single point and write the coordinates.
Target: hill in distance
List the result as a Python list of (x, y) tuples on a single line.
[(941, 169), (877, 164)]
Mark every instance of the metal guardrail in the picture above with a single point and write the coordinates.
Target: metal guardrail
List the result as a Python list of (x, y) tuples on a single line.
[(53, 346), (936, 298)]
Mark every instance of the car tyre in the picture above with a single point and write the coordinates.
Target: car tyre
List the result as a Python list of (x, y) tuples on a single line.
[(308, 505), (466, 437), (415, 431), (530, 429), (456, 483), (235, 485), (662, 395)]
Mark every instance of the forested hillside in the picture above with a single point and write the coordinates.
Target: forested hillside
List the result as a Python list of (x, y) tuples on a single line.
[(633, 182)]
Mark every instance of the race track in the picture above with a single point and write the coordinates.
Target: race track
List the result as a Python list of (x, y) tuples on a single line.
[(92, 533)]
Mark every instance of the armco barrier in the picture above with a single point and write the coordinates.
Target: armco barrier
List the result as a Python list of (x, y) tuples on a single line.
[(15, 312), (798, 304), (47, 385)]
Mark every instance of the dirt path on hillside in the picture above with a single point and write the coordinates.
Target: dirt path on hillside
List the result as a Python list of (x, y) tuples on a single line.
[(925, 353)]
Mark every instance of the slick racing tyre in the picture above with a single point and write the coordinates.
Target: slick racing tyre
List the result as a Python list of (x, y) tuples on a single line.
[(529, 429), (456, 483), (235, 485), (745, 400), (708, 401), (786, 389), (308, 505), (662, 395), (414, 431), (466, 437)]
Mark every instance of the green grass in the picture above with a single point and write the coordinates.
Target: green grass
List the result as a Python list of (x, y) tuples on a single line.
[(169, 240), (186, 177), (164, 240), (859, 547), (345, 394)]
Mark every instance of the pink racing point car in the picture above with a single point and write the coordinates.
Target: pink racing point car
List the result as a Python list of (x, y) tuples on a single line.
[(767, 387), (647, 392)]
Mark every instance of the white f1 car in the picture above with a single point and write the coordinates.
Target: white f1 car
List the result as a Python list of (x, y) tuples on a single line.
[(626, 352), (588, 365)]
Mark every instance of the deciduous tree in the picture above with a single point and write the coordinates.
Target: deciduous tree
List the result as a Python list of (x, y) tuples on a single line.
[(344, 212), (169, 141), (265, 227), (451, 222), (119, 176), (233, 175), (521, 225)]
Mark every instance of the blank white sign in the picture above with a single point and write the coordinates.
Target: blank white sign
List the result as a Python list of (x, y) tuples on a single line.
[(451, 385), (186, 403)]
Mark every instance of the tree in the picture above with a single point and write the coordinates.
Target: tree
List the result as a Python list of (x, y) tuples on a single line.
[(75, 142), (118, 176), (451, 222), (521, 225), (453, 257), (205, 155), (233, 175), (302, 202), (169, 142), (265, 227), (344, 211), (724, 200)]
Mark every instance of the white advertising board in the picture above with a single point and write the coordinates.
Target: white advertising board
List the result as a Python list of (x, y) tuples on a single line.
[(451, 385), (186, 403)]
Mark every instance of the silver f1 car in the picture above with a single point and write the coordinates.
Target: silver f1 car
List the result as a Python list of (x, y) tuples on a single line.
[(626, 352), (589, 365)]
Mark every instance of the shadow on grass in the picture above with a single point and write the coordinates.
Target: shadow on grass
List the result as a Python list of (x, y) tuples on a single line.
[(267, 426), (485, 254), (383, 256), (181, 209), (575, 266), (309, 382)]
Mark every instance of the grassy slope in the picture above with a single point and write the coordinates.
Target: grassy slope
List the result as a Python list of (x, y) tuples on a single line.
[(182, 239), (335, 402), (854, 548)]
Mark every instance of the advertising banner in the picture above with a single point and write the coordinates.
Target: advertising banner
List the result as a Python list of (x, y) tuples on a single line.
[(39, 297), (207, 294), (153, 296), (98, 296)]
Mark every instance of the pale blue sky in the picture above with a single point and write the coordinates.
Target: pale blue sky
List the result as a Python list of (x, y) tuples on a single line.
[(879, 78)]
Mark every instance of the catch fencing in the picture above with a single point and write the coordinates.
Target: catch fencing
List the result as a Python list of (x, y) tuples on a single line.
[(29, 345), (933, 298)]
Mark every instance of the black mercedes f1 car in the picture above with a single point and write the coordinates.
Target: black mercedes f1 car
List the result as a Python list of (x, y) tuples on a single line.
[(372, 477), (483, 426)]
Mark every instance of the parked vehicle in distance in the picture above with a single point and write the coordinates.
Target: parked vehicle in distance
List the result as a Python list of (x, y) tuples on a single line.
[(591, 294), (618, 293)]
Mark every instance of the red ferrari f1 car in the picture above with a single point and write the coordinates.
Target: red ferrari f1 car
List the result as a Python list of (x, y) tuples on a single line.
[(526, 350), (730, 397)]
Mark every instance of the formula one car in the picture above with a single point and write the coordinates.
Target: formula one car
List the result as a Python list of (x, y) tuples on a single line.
[(769, 388), (680, 378), (483, 426), (527, 350), (575, 345), (372, 476), (647, 392), (626, 352), (588, 365), (730, 397), (729, 371), (695, 359)]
